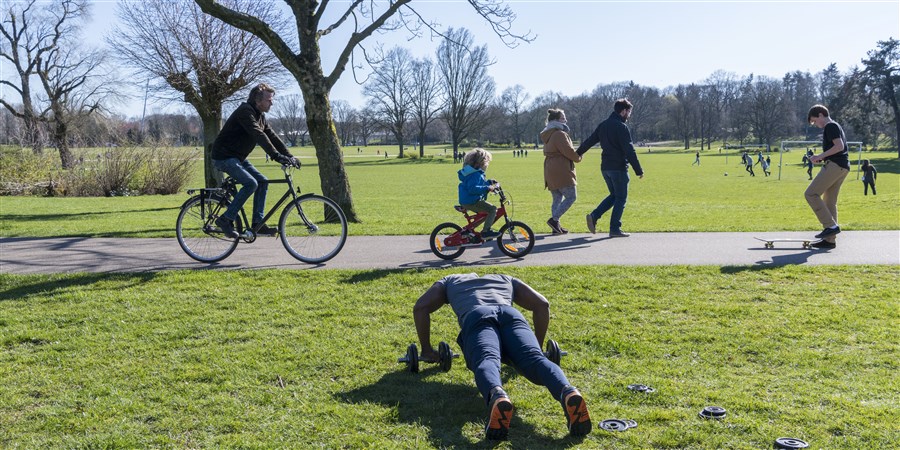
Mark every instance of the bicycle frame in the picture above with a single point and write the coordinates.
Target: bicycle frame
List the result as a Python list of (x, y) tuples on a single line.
[(473, 220), (229, 188)]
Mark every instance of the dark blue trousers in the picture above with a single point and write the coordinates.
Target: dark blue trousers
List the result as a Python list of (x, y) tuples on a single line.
[(492, 333)]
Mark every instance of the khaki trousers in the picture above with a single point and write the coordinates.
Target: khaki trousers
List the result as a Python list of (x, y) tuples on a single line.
[(822, 194)]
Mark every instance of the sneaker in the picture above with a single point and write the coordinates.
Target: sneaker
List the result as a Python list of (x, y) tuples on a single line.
[(828, 232), (562, 229), (227, 228), (619, 233), (591, 223), (489, 234), (823, 244), (265, 230), (554, 226), (578, 420), (497, 428)]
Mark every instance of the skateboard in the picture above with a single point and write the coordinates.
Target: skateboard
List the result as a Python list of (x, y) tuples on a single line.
[(770, 243)]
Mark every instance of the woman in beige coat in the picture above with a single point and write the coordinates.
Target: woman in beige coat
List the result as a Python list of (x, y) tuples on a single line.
[(559, 167)]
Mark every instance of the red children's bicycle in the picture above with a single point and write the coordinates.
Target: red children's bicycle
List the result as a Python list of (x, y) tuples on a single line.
[(449, 240)]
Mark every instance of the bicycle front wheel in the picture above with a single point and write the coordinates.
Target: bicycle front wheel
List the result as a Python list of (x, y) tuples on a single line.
[(516, 239), (313, 229), (197, 234)]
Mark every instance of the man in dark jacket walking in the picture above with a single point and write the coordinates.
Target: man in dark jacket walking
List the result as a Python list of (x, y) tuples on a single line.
[(618, 152), (245, 129)]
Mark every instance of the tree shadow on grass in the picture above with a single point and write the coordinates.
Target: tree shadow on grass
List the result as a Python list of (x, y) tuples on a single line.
[(445, 409), (47, 287)]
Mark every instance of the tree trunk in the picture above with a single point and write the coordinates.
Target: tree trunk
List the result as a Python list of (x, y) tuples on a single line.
[(212, 124), (422, 144), (323, 134), (60, 137)]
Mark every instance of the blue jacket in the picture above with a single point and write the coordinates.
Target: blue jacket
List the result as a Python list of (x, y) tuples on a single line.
[(473, 186), (615, 140)]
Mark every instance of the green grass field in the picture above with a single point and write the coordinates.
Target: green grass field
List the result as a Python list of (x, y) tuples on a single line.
[(412, 196), (285, 359)]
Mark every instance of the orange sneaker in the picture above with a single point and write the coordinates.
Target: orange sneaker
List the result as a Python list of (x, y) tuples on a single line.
[(497, 428), (577, 418)]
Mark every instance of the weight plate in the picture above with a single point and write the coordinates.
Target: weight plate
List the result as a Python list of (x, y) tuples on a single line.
[(641, 388), (553, 353), (613, 425), (713, 412), (446, 361), (630, 423), (789, 443), (412, 358)]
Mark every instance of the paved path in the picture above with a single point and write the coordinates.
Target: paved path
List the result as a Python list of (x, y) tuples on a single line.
[(64, 255)]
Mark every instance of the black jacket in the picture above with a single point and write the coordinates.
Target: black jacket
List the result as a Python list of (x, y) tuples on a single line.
[(615, 140), (245, 129)]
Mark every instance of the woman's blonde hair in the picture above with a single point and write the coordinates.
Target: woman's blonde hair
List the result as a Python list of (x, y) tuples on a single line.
[(478, 158)]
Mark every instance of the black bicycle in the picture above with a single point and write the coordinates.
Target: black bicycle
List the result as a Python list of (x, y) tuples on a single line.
[(312, 227)]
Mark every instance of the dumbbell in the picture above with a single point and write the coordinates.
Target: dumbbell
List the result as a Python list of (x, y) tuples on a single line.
[(412, 357), (553, 353)]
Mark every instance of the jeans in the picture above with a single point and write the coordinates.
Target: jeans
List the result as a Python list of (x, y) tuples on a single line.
[(563, 198), (491, 332), (617, 183), (251, 181)]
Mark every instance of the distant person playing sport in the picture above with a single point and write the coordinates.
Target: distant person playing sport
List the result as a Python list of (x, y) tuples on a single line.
[(822, 193), (559, 167), (474, 187), (618, 152), (243, 131), (748, 163), (868, 178), (808, 163), (696, 159), (493, 330)]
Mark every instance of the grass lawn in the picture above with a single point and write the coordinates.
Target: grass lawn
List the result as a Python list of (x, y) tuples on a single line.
[(283, 359), (412, 196)]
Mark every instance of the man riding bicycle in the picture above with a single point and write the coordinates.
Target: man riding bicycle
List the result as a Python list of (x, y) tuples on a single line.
[(245, 129)]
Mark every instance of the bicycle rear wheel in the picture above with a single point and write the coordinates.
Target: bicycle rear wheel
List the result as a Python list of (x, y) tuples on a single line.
[(313, 229), (196, 231)]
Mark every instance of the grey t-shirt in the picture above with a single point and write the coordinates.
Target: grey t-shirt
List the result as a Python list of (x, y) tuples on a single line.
[(465, 292)]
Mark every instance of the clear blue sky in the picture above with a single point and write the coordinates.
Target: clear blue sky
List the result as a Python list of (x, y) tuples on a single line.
[(581, 44)]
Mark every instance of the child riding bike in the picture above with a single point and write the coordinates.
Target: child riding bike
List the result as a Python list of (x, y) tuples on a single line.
[(474, 187)]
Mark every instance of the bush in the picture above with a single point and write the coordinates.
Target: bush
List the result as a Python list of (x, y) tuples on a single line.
[(112, 174), (24, 173), (166, 171)]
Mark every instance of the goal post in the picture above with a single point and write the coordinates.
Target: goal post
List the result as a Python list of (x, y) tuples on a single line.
[(850, 146)]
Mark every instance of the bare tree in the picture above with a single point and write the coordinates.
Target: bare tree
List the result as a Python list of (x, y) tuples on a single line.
[(344, 115), (30, 33), (194, 58), (390, 92), (467, 88), (763, 101), (426, 97), (512, 100), (366, 125), (290, 118), (75, 84), (305, 62)]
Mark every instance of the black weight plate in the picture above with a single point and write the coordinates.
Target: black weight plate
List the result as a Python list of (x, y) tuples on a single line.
[(412, 358), (713, 412), (613, 425), (785, 443), (446, 361), (641, 388), (553, 353)]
